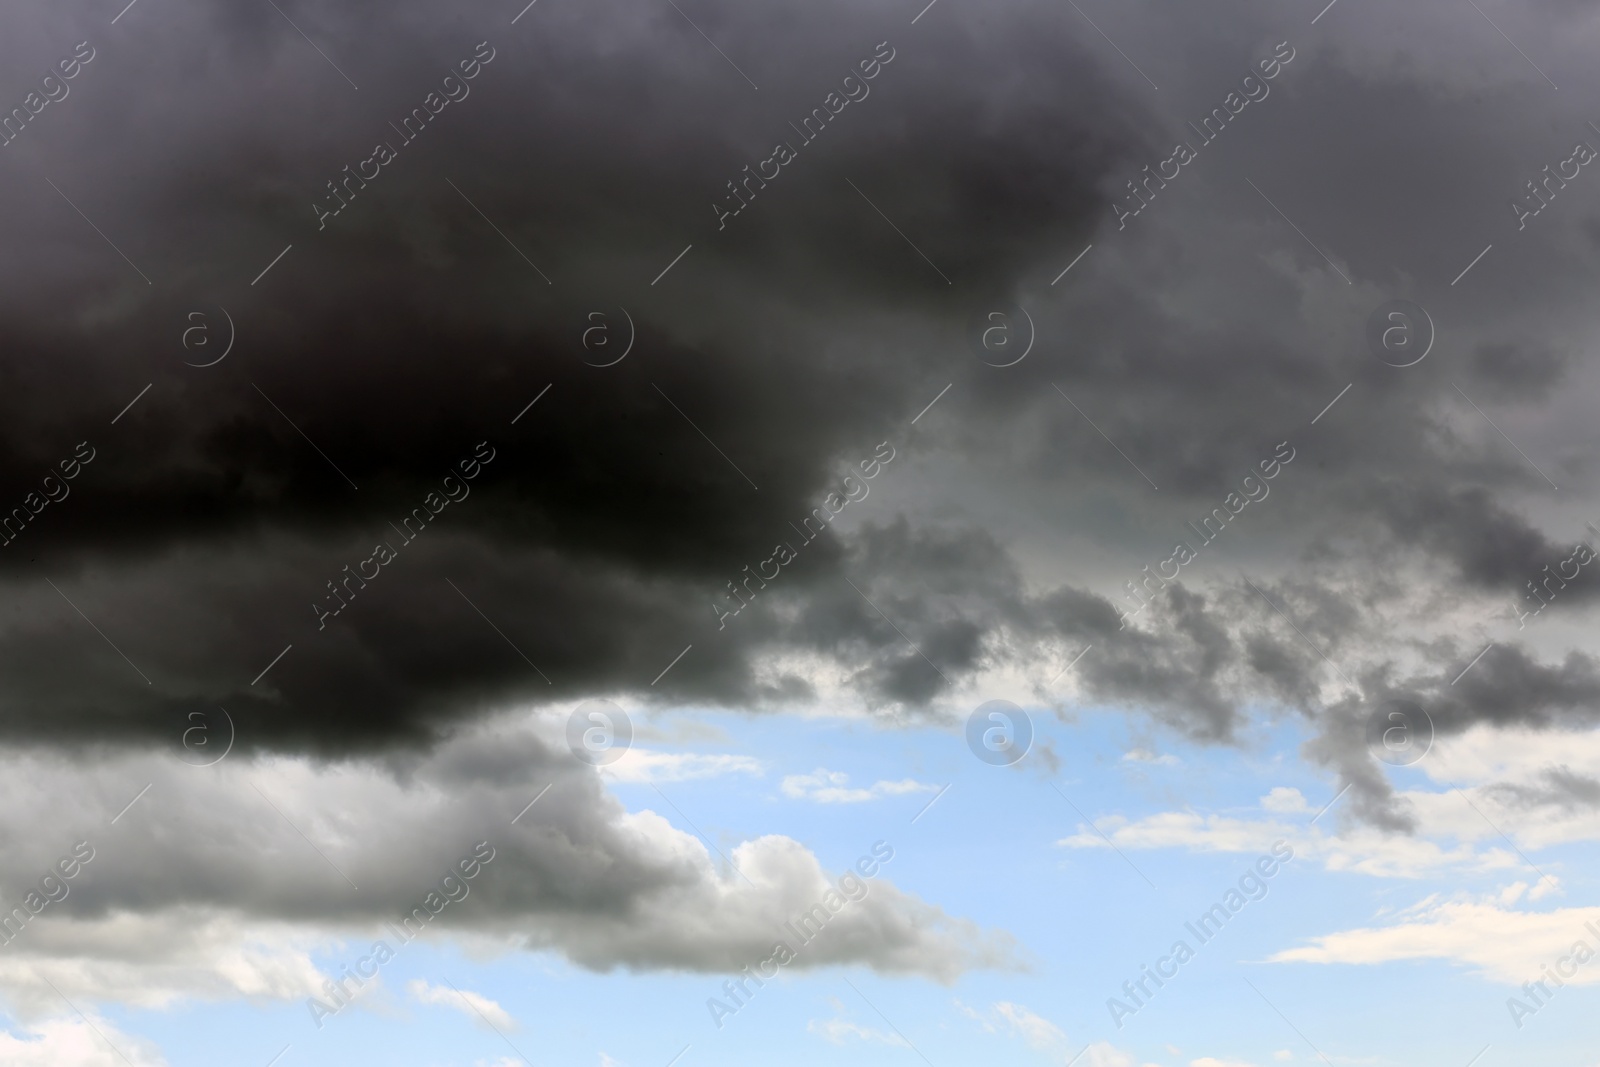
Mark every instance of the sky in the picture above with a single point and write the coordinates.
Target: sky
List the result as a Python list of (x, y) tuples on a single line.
[(689, 533)]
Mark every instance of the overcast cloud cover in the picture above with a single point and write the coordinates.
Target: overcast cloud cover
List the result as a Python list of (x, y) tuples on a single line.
[(320, 527)]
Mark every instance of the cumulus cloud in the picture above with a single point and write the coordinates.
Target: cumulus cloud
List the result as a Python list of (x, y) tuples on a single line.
[(576, 874), (74, 1042)]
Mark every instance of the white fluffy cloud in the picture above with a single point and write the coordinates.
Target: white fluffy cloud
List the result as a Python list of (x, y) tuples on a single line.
[(74, 1042)]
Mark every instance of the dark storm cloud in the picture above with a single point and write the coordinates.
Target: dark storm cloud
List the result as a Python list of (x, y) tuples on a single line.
[(783, 346), (397, 335)]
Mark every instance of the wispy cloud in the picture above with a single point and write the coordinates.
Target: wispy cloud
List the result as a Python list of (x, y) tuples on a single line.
[(833, 787), (475, 1006)]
